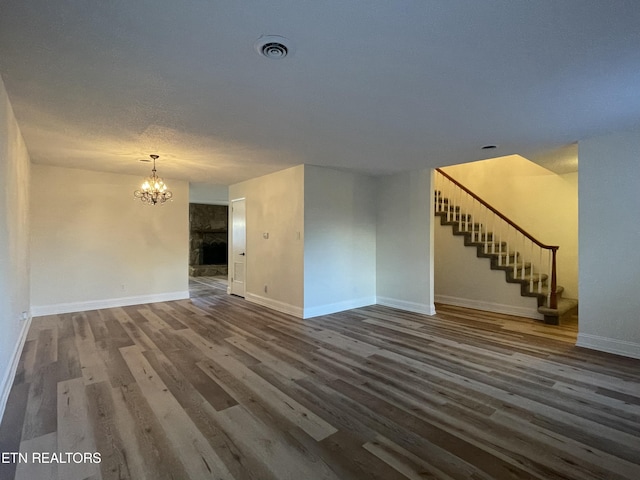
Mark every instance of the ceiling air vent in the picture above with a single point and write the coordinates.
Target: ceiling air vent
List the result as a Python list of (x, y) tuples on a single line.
[(272, 46), (274, 50)]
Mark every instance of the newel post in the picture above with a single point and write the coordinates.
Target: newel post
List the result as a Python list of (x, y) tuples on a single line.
[(553, 299)]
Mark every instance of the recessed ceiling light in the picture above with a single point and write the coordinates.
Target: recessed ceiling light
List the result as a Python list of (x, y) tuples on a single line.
[(489, 147), (273, 46)]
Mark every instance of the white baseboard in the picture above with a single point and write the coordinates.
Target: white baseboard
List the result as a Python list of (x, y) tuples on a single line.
[(415, 307), (490, 306), (10, 374), (274, 304), (609, 345), (338, 307), (40, 310)]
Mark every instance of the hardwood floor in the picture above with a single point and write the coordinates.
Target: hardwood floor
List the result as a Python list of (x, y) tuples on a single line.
[(216, 387)]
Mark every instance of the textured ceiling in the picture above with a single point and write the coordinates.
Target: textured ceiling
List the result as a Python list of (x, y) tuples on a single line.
[(375, 86)]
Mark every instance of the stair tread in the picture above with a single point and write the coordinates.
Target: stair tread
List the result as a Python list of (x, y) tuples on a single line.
[(564, 305), (518, 265), (545, 290), (535, 276)]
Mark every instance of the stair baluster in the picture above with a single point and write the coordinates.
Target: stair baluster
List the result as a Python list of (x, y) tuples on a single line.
[(460, 212), (474, 216), (516, 255), (467, 215), (525, 258), (531, 271), (540, 262), (485, 235), (494, 237), (500, 247)]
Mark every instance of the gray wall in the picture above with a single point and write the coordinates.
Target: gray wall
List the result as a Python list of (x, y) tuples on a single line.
[(609, 249), (208, 194), (405, 242), (340, 241), (104, 250), (275, 239), (14, 244)]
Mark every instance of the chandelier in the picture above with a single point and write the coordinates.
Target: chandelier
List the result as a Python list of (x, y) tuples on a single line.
[(153, 189)]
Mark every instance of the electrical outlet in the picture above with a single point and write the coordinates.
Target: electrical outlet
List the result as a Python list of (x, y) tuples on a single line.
[(24, 316)]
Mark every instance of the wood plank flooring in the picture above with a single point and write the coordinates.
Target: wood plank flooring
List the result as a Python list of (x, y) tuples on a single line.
[(218, 388)]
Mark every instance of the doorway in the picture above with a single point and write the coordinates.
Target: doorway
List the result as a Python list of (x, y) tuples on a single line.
[(208, 239)]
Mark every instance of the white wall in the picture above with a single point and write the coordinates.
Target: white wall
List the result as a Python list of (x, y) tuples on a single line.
[(340, 241), (274, 206), (542, 202), (93, 245), (14, 243), (208, 194), (610, 243), (404, 245), (463, 279)]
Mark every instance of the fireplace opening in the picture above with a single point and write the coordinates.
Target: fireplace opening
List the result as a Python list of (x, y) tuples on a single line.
[(214, 253)]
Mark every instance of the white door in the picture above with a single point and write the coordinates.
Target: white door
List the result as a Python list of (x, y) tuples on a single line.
[(238, 247)]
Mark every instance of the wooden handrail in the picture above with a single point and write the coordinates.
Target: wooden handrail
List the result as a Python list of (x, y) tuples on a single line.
[(553, 295), (506, 219)]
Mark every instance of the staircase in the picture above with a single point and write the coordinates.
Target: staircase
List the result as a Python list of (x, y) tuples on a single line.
[(524, 259)]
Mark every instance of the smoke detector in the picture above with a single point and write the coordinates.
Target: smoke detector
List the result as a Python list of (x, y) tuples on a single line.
[(273, 46)]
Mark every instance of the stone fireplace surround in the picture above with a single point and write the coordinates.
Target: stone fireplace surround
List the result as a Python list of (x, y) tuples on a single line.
[(208, 238)]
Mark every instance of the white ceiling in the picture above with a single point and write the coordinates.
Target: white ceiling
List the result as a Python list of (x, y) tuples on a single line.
[(372, 85)]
